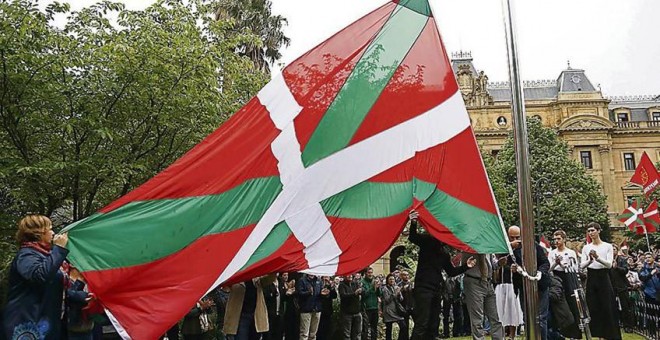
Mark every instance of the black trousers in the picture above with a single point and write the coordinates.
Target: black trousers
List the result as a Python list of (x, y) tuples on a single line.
[(403, 329), (370, 324), (326, 329), (602, 305), (426, 314)]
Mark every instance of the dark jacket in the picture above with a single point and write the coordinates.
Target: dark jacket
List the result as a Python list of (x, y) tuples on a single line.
[(76, 297), (619, 279), (309, 294), (390, 302), (433, 259), (542, 265), (561, 313), (408, 297), (326, 302), (271, 293), (349, 302), (36, 287), (369, 294)]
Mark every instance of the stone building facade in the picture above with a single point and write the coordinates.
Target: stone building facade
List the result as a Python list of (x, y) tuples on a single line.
[(606, 134)]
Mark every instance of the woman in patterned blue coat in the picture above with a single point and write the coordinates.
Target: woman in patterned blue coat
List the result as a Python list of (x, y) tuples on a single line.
[(36, 283)]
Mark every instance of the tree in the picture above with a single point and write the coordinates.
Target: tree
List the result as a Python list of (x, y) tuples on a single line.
[(90, 111), (565, 196), (255, 16)]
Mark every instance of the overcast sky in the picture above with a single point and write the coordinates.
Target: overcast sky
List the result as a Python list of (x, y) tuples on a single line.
[(615, 41)]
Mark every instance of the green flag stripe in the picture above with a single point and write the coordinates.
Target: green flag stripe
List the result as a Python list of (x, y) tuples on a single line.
[(373, 200), (365, 83), (273, 241), (419, 6), (370, 200), (149, 230), (170, 225), (475, 227)]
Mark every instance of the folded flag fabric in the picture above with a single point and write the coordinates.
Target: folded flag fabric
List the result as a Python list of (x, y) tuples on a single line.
[(317, 173)]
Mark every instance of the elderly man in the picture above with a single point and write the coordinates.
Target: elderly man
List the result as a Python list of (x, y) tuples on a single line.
[(543, 266)]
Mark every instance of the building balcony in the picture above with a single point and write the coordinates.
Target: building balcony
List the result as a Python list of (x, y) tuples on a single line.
[(649, 124)]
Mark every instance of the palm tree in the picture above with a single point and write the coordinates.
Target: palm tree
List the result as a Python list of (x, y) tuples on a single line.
[(255, 16)]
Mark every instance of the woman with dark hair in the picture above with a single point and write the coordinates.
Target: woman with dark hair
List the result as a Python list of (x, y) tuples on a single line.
[(36, 283), (597, 257), (392, 308)]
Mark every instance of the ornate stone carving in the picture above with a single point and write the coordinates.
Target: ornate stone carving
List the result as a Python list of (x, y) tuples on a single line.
[(473, 87), (604, 149), (586, 124)]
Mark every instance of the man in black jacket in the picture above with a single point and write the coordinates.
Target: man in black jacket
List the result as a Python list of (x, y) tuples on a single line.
[(349, 308), (433, 259)]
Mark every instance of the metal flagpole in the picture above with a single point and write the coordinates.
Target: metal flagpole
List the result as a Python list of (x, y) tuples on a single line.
[(648, 244), (532, 329)]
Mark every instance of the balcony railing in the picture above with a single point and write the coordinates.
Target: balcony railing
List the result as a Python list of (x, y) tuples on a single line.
[(638, 125)]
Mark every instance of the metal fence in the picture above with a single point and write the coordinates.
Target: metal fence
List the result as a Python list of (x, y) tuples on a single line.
[(645, 317)]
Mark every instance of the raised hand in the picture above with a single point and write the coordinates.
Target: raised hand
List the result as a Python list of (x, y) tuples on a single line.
[(61, 240)]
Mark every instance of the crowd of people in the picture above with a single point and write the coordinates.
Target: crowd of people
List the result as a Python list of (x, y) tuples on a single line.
[(451, 294)]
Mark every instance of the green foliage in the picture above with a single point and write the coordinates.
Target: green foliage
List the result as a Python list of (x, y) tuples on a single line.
[(565, 196), (90, 111), (255, 16)]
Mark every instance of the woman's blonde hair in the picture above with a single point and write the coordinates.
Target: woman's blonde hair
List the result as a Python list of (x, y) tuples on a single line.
[(31, 227)]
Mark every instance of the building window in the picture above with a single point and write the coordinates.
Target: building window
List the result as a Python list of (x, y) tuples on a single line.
[(656, 116), (501, 121), (585, 158), (622, 117), (629, 161), (494, 153), (629, 200)]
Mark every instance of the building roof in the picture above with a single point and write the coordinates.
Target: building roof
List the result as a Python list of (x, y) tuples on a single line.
[(638, 106), (533, 90), (573, 80)]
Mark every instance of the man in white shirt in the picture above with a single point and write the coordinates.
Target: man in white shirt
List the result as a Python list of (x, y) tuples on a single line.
[(564, 264)]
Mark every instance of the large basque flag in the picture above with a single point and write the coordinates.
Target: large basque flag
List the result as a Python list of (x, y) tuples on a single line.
[(317, 173)]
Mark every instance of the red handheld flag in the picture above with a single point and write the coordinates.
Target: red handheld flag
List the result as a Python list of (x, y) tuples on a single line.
[(646, 175), (651, 217)]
